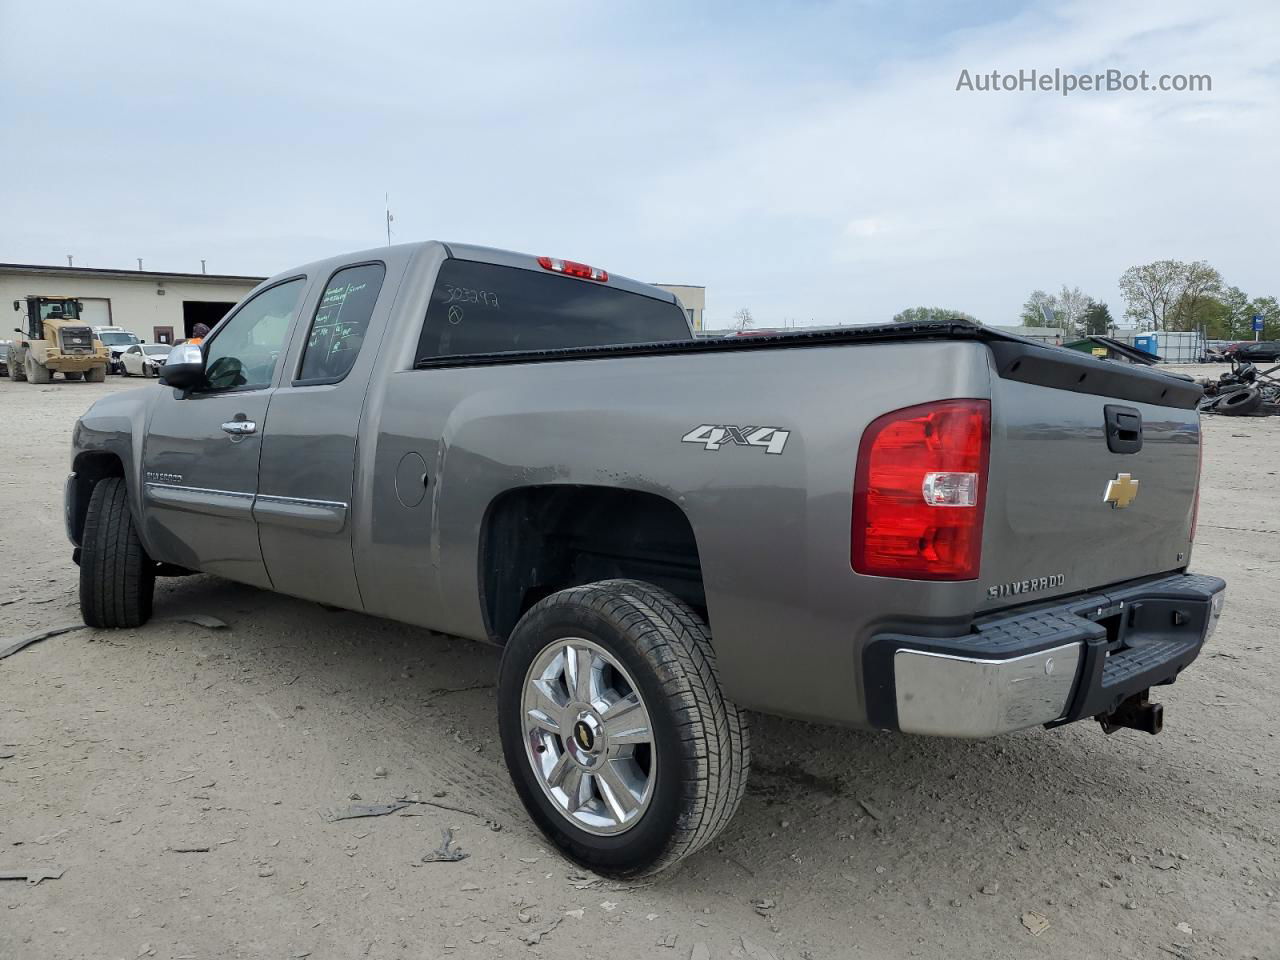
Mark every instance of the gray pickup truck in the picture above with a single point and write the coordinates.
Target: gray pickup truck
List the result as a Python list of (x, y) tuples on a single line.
[(932, 528)]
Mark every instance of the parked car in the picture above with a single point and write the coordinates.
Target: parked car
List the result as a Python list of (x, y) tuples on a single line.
[(116, 340), (934, 528), (144, 359), (1261, 351)]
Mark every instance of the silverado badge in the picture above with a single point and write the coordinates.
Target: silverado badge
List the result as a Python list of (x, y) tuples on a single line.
[(1121, 491)]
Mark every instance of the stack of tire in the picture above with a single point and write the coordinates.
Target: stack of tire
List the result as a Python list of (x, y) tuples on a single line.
[(1234, 400)]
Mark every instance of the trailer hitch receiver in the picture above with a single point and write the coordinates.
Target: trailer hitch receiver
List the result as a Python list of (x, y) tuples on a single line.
[(1135, 713)]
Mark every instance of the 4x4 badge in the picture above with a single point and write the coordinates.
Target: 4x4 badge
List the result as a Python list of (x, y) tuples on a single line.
[(713, 436), (1121, 491)]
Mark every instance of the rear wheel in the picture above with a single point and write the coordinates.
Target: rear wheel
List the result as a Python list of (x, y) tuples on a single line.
[(617, 736), (117, 578), (96, 374)]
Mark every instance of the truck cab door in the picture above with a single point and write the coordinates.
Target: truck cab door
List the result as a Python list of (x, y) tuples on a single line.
[(202, 448), (307, 475)]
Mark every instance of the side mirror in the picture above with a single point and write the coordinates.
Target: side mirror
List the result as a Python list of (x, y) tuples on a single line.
[(184, 368), (17, 305)]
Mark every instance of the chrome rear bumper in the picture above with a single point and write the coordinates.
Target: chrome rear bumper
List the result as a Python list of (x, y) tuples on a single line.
[(950, 696), (1042, 665)]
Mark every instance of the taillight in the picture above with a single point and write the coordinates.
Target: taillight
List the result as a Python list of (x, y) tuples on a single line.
[(920, 491), (1195, 504), (571, 268)]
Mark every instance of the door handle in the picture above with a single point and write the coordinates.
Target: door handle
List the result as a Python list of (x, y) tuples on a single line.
[(238, 428)]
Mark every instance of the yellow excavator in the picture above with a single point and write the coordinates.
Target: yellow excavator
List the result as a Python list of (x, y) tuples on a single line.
[(55, 340)]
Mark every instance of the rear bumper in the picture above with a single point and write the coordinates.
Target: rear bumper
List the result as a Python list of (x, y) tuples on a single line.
[(1044, 664)]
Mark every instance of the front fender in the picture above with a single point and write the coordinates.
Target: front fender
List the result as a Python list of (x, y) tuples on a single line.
[(113, 428)]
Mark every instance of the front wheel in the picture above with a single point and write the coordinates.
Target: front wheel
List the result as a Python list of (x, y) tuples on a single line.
[(616, 733), (117, 578), (38, 372), (96, 374)]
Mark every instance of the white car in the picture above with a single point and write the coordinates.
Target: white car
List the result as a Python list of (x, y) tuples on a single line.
[(116, 340), (144, 359)]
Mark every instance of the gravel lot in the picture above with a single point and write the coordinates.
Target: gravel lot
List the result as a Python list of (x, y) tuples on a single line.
[(117, 749)]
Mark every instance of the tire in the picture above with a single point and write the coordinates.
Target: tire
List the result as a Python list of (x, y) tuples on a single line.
[(1239, 403), (74, 375), (688, 777), (96, 374), (117, 578), (38, 372)]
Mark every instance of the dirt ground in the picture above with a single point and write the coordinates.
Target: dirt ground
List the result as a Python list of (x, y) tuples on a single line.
[(119, 749)]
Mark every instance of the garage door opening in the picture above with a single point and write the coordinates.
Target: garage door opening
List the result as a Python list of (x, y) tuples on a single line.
[(208, 312)]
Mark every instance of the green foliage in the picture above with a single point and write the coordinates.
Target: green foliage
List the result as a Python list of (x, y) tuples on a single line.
[(1031, 315), (1096, 321), (926, 314), (1169, 294), (1065, 309)]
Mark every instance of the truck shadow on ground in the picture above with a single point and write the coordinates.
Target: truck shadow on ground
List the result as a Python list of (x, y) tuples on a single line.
[(838, 802)]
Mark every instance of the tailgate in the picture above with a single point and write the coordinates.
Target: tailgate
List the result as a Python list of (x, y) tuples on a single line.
[(1092, 478)]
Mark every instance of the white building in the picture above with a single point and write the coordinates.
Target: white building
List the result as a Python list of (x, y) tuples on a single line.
[(158, 307), (693, 299)]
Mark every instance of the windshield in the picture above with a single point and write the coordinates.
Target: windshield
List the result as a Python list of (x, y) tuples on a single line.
[(155, 350), (117, 338), (58, 310)]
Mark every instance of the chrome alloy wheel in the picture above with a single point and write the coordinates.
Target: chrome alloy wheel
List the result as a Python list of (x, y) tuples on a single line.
[(588, 736)]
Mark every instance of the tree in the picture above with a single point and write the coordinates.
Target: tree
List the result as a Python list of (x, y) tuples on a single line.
[(1269, 309), (927, 314), (1167, 294), (743, 319), (1149, 292), (1034, 310), (1236, 322), (1070, 308), (1096, 321), (1065, 311), (1201, 287)]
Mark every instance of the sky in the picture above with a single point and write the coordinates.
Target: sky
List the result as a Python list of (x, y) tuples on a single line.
[(813, 162)]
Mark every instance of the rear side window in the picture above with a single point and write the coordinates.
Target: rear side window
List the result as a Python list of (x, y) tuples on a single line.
[(481, 308), (341, 321)]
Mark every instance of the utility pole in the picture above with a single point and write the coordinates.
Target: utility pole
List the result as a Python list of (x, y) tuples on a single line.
[(387, 198), (139, 263), (202, 269), (69, 261)]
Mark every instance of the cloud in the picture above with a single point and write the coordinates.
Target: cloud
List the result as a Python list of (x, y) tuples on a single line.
[(811, 162)]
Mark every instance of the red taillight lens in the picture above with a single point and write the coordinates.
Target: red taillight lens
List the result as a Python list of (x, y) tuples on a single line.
[(920, 491), (571, 268)]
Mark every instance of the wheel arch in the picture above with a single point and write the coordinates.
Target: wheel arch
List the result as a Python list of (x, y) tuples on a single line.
[(536, 540), (88, 468)]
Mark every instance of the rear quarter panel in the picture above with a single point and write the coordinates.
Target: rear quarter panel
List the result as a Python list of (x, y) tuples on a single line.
[(787, 612)]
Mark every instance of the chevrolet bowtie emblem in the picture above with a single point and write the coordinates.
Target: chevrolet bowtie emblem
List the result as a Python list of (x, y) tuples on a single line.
[(1121, 491)]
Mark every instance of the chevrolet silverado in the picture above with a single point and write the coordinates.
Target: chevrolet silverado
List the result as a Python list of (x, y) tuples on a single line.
[(932, 528)]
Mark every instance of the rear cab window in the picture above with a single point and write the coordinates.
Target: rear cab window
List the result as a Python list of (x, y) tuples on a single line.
[(483, 308), (340, 323)]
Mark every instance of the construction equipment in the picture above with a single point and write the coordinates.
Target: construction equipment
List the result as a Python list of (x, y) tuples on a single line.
[(55, 340)]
